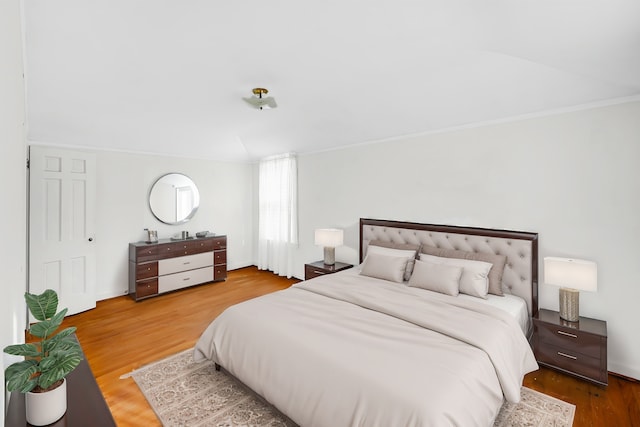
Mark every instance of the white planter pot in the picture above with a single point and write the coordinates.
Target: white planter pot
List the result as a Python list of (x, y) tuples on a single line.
[(46, 408)]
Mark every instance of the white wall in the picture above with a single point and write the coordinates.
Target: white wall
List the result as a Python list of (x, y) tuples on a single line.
[(123, 181), (572, 177), (123, 184), (12, 185)]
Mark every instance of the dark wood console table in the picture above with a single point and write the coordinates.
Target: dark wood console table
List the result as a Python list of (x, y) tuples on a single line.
[(85, 404)]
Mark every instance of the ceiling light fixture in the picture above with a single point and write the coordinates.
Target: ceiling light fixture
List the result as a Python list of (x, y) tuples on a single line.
[(258, 102)]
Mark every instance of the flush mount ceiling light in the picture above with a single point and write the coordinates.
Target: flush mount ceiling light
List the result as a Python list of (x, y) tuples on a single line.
[(258, 102)]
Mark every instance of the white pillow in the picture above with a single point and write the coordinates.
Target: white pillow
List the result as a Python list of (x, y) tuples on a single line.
[(474, 280), (409, 254), (436, 277), (384, 267)]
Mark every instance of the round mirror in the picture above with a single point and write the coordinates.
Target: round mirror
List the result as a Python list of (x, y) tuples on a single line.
[(174, 198)]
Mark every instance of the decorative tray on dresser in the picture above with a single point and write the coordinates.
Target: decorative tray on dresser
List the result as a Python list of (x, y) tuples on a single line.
[(168, 265), (576, 348)]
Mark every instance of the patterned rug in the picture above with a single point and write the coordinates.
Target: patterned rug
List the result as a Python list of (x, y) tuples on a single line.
[(187, 394)]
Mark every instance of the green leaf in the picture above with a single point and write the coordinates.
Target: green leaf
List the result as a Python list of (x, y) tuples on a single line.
[(29, 350), (66, 346), (42, 306), (60, 368), (47, 327), (18, 376), (62, 342), (65, 333), (47, 363)]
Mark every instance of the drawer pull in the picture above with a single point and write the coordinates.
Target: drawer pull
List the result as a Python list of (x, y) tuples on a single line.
[(186, 263), (186, 278), (319, 272), (148, 268), (568, 356), (567, 334)]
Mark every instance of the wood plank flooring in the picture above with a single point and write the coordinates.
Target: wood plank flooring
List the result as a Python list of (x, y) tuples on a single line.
[(120, 335)]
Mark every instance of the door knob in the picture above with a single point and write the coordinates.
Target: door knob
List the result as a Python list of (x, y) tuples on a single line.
[(91, 239)]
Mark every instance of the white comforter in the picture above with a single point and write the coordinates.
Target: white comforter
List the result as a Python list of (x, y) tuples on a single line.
[(348, 350)]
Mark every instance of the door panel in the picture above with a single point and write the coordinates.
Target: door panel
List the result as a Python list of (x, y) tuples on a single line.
[(61, 225)]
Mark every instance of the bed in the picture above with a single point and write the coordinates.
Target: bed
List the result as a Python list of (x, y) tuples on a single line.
[(424, 332)]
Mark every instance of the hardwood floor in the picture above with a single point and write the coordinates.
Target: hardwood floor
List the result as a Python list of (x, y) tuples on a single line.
[(121, 335)]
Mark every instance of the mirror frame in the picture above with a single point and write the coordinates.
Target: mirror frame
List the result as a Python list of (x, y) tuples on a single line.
[(188, 183)]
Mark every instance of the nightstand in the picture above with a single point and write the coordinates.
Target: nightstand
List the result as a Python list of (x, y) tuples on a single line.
[(319, 268), (576, 348)]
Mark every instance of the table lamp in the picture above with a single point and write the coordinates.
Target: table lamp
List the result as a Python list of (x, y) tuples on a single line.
[(573, 276), (329, 238)]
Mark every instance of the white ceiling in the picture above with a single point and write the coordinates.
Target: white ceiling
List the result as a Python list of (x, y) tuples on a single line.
[(168, 76)]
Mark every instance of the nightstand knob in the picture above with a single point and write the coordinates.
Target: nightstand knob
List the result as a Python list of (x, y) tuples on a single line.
[(567, 334)]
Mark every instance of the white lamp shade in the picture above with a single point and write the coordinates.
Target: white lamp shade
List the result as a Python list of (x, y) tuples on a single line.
[(329, 237), (571, 273)]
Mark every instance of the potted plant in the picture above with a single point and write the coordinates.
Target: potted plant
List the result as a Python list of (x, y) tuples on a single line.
[(47, 361)]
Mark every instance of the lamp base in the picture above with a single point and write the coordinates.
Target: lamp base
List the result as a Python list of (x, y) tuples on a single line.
[(329, 255), (569, 304)]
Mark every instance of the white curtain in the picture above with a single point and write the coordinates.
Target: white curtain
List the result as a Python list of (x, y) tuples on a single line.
[(278, 214)]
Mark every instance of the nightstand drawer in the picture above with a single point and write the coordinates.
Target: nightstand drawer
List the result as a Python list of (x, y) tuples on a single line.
[(310, 272), (578, 341), (319, 268), (572, 361)]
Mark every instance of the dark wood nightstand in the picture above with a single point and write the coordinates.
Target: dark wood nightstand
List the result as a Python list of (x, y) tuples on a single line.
[(576, 348), (319, 268)]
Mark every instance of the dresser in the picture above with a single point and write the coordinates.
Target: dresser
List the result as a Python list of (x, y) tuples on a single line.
[(169, 265), (576, 348)]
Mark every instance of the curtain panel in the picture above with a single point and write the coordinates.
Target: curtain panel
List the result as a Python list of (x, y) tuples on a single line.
[(278, 214)]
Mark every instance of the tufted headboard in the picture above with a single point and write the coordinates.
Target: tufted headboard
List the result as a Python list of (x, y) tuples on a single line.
[(521, 249)]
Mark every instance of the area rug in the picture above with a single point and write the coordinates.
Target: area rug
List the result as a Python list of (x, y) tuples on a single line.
[(187, 394)]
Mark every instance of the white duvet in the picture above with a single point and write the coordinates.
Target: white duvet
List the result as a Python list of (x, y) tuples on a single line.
[(348, 350)]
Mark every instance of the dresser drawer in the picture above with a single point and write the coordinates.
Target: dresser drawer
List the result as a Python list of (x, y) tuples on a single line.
[(186, 247), (199, 246), (219, 257), (146, 253), (146, 288), (171, 282), (171, 250), (146, 270), (578, 341), (572, 361), (219, 243), (220, 272), (182, 263)]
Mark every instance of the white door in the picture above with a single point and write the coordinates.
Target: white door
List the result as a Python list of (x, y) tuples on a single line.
[(61, 226)]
